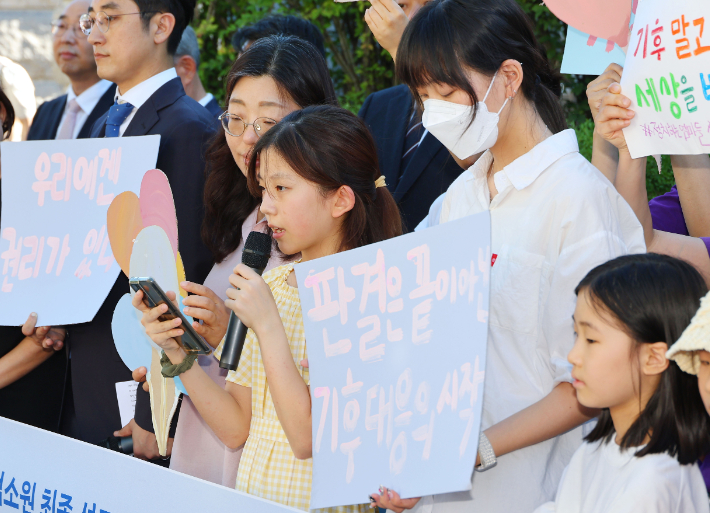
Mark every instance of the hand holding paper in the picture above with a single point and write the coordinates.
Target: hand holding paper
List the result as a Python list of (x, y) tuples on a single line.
[(387, 21), (599, 87), (614, 115)]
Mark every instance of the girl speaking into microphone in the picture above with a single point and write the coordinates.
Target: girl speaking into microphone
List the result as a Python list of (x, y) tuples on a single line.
[(486, 84), (317, 174)]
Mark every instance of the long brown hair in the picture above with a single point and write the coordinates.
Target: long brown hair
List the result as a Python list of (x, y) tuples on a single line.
[(301, 74), (331, 147)]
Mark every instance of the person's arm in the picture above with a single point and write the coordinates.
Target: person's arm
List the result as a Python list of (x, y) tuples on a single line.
[(692, 178), (605, 156), (387, 22), (690, 249), (252, 301), (227, 411), (38, 345)]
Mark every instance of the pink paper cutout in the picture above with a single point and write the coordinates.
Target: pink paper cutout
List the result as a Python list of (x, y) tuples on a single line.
[(604, 19), (157, 205)]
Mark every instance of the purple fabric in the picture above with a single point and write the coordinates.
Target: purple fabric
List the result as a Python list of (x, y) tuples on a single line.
[(705, 470), (667, 215)]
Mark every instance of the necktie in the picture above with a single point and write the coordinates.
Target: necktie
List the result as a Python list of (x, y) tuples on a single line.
[(67, 130), (117, 114), (412, 139)]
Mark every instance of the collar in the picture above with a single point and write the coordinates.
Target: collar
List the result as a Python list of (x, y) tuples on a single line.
[(524, 170), (206, 99), (89, 98), (140, 93)]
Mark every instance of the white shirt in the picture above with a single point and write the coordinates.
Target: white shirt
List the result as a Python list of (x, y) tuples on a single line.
[(555, 217), (140, 93), (87, 101), (206, 99), (432, 218), (601, 478)]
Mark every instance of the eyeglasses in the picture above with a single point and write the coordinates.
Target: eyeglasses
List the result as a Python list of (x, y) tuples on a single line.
[(236, 126), (59, 27), (86, 22)]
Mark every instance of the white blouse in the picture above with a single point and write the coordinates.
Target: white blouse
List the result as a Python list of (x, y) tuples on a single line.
[(555, 217), (602, 478)]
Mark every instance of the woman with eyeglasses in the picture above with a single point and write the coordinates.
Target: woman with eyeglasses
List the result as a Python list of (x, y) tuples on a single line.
[(274, 77)]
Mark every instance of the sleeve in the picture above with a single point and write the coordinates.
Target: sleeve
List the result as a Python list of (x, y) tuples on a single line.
[(706, 241), (667, 214), (244, 373), (573, 263)]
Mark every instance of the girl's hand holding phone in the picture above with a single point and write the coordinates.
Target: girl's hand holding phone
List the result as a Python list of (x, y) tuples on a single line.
[(252, 301), (161, 332), (614, 115), (206, 306)]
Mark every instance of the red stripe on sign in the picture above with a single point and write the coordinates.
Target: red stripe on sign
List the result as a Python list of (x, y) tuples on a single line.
[(494, 257)]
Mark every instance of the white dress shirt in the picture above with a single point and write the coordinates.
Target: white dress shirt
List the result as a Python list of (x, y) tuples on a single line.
[(432, 218), (602, 478), (87, 101), (206, 99), (555, 217), (140, 93)]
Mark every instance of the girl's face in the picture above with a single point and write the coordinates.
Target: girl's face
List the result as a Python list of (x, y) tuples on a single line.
[(602, 360), (704, 378), (303, 221), (480, 84), (252, 98)]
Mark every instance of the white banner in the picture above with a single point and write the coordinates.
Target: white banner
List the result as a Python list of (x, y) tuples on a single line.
[(49, 473)]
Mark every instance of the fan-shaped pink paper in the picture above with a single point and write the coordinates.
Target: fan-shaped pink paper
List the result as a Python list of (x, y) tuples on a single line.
[(157, 205), (605, 19)]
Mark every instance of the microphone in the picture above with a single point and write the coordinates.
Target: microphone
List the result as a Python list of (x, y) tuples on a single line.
[(119, 444), (257, 250)]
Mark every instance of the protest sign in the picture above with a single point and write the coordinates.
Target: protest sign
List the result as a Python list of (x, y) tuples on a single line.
[(43, 471), (53, 238), (396, 337), (587, 55), (665, 78)]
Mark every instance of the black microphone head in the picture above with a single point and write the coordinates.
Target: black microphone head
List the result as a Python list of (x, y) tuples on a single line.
[(257, 250)]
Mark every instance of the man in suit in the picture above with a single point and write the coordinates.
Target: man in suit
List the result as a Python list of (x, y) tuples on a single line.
[(71, 115), (416, 166), (134, 43), (187, 61)]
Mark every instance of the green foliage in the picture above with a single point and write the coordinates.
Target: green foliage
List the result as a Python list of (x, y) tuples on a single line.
[(359, 66)]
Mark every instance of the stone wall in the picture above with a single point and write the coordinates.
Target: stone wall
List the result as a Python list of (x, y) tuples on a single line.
[(25, 37)]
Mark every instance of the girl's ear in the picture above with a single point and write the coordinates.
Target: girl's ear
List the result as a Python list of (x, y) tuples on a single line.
[(512, 72), (653, 358), (344, 201)]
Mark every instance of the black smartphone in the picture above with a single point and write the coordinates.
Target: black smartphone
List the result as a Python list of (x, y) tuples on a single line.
[(153, 296)]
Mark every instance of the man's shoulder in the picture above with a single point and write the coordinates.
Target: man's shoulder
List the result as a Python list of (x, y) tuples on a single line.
[(50, 105), (190, 114), (389, 94)]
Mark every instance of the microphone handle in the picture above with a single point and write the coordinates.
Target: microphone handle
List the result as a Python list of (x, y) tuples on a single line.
[(234, 339), (237, 331)]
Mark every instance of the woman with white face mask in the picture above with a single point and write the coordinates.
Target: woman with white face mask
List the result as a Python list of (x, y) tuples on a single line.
[(486, 85)]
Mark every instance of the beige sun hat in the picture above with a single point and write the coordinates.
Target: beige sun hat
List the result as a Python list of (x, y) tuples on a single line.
[(696, 337)]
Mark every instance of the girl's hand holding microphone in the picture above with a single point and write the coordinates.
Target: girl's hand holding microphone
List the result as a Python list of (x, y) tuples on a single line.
[(252, 301)]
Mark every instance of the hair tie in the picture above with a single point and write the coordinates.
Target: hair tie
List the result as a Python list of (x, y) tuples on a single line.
[(380, 182), (537, 80)]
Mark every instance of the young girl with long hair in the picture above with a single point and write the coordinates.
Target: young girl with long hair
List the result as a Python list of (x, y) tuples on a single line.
[(274, 77), (485, 84), (322, 194), (653, 428)]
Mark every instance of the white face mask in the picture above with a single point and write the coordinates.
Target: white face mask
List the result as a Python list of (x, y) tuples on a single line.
[(449, 122)]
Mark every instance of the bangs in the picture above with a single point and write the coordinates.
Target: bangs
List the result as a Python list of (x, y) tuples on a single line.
[(429, 53)]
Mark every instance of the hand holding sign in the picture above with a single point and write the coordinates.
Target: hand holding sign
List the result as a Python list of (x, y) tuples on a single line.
[(387, 21)]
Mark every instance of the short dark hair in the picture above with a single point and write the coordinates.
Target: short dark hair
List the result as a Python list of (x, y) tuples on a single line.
[(653, 298), (279, 24), (9, 115), (183, 10), (330, 147), (447, 36), (301, 74)]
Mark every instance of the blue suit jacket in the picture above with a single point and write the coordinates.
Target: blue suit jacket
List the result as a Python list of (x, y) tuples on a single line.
[(431, 169), (46, 121), (214, 108), (185, 127)]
